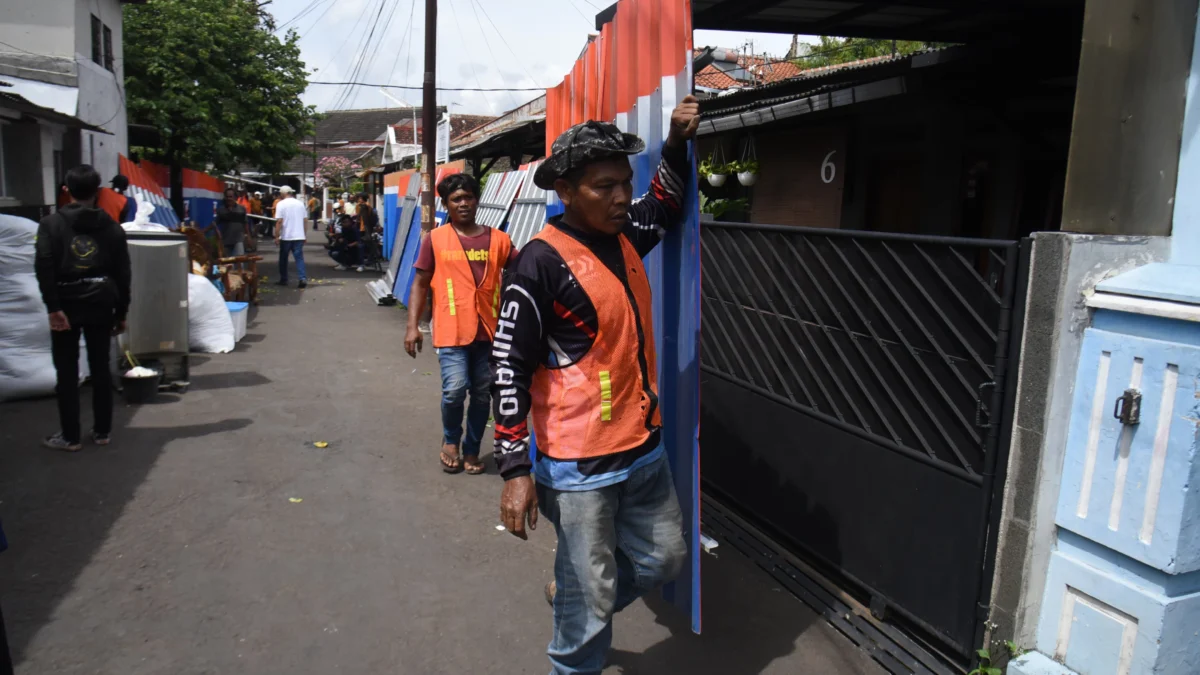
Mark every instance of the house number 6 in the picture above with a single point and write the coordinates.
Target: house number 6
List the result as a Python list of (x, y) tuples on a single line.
[(828, 170)]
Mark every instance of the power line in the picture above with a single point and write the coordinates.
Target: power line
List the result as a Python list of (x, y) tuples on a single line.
[(474, 71), (506, 45), (359, 57), (320, 18), (593, 5), (488, 43), (412, 7), (372, 50), (580, 13), (300, 15), (400, 86), (478, 8)]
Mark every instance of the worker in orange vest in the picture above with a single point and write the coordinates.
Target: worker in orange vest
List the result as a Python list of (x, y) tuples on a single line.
[(114, 202), (462, 260), (574, 351)]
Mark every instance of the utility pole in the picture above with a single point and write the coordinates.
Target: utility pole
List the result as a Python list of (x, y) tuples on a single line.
[(429, 118)]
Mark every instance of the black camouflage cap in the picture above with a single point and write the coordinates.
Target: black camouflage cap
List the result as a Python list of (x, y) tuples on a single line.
[(583, 144)]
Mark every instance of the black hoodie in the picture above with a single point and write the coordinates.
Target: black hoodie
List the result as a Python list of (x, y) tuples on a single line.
[(82, 264)]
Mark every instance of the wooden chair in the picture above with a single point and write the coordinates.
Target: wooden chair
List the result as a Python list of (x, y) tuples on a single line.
[(241, 285)]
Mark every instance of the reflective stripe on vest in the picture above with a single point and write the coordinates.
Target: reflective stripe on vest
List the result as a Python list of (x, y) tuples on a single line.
[(460, 305), (599, 404), (605, 396)]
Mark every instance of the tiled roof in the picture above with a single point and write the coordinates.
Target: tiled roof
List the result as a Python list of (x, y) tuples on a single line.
[(763, 69), (341, 126), (459, 125)]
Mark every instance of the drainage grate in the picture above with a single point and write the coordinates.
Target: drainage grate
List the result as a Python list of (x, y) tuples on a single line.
[(891, 648)]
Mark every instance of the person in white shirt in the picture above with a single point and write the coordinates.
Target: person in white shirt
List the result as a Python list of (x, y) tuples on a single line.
[(290, 235), (348, 205)]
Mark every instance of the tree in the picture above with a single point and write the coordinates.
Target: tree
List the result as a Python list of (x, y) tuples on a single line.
[(834, 50), (336, 171), (219, 85)]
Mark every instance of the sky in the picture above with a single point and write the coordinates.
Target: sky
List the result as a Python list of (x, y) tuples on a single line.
[(481, 43)]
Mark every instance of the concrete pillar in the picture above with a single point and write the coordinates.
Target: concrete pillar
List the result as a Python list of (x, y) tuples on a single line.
[(1121, 170), (1122, 587)]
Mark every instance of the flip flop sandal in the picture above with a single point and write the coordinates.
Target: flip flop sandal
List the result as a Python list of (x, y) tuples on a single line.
[(475, 469), (454, 465)]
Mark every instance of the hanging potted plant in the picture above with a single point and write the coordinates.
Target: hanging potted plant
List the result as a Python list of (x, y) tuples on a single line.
[(715, 169), (747, 171), (747, 167)]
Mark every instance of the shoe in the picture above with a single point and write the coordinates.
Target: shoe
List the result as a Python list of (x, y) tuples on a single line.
[(361, 269), (340, 268), (281, 283), (101, 439), (424, 327), (551, 590), (57, 442), (302, 284)]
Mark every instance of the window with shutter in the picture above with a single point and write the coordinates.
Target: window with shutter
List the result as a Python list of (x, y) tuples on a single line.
[(97, 44), (108, 48)]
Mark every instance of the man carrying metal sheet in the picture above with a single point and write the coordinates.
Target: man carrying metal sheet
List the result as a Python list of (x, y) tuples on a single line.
[(574, 349)]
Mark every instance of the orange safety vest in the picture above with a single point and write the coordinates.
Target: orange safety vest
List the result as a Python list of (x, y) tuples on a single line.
[(459, 303), (111, 202), (600, 405)]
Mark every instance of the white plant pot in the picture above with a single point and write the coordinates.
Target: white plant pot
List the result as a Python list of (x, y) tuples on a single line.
[(716, 179), (747, 178)]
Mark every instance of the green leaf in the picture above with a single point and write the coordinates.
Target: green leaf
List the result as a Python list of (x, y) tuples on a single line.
[(212, 76)]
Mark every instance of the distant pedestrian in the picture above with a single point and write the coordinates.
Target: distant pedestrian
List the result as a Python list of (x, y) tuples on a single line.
[(461, 262), (114, 202), (290, 235), (231, 221), (82, 268), (314, 210)]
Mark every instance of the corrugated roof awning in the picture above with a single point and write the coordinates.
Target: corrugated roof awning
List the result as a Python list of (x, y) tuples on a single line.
[(23, 106), (526, 135)]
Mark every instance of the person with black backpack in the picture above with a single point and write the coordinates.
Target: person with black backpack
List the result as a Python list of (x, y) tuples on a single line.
[(82, 267)]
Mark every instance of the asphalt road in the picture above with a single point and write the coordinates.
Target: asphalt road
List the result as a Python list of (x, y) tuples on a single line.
[(213, 537)]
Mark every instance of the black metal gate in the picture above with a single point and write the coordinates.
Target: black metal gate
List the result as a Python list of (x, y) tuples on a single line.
[(852, 388)]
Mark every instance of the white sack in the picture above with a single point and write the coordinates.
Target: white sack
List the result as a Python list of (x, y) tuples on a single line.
[(141, 221), (210, 328), (26, 366)]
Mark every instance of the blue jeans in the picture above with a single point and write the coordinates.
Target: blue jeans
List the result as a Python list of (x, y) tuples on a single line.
[(296, 248), (615, 544), (465, 368)]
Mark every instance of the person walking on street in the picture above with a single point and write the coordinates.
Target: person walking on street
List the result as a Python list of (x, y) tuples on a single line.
[(462, 261), (314, 211), (574, 350), (82, 268), (231, 222), (290, 235)]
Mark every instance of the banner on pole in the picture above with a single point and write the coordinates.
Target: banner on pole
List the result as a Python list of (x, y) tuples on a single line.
[(443, 139)]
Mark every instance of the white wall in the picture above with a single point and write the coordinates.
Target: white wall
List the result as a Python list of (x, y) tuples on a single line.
[(40, 26), (101, 93)]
